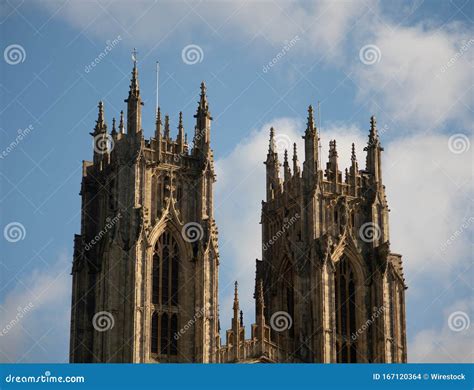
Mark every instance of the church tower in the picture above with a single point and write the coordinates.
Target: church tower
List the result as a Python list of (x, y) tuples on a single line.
[(145, 267), (326, 266)]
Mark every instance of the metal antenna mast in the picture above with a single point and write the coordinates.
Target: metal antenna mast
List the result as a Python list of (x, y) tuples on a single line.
[(157, 82)]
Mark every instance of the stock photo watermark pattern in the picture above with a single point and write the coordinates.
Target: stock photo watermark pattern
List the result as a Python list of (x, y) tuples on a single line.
[(459, 321), (14, 54), (109, 46), (286, 48), (14, 232), (281, 321), (162, 227), (192, 232), (103, 321), (22, 134), (370, 54), (459, 143), (192, 54), (103, 143), (21, 312), (370, 232)]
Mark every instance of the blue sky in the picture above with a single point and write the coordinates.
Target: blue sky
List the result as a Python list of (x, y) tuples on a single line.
[(418, 83)]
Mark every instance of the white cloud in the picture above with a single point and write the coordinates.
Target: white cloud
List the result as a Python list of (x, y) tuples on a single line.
[(322, 25), (446, 345), (422, 80), (428, 190), (413, 82), (41, 332)]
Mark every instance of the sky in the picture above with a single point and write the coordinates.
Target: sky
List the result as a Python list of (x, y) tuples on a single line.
[(409, 63)]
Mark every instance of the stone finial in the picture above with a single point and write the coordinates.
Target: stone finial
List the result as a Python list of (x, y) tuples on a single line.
[(167, 127), (121, 124), (310, 123), (271, 144), (114, 130)]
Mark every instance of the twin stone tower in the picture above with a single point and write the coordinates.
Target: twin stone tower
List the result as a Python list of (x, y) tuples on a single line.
[(145, 267)]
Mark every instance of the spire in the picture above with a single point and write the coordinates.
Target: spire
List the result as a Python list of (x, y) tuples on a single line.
[(202, 133), (121, 125), (236, 323), (310, 123), (332, 149), (100, 125), (114, 130), (353, 154), (296, 168), (134, 101), (167, 127), (373, 134), (101, 138), (271, 144), (158, 124), (286, 167), (332, 172), (236, 296), (134, 88), (203, 105), (373, 159), (311, 152), (272, 168), (180, 121), (180, 138)]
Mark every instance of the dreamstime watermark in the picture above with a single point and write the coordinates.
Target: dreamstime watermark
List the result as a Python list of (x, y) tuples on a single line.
[(287, 223), (456, 56), (22, 133), (189, 324), (192, 54), (109, 45), (21, 312), (286, 48), (370, 54), (197, 137), (376, 314), (109, 224), (459, 321), (103, 321), (14, 54), (380, 131), (282, 143), (14, 232), (103, 143), (46, 378), (281, 321), (459, 143), (466, 223), (370, 232), (192, 232)]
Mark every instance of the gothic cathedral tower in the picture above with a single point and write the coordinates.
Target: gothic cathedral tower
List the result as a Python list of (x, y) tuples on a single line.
[(145, 268), (326, 262)]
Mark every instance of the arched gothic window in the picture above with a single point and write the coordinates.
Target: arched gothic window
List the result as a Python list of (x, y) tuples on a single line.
[(165, 288), (346, 336), (154, 333), (165, 271)]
